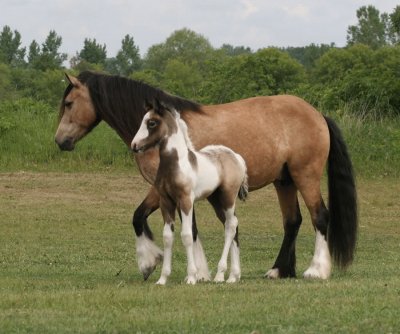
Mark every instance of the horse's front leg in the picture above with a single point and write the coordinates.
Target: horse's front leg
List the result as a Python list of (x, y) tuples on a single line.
[(231, 224), (186, 209), (147, 252)]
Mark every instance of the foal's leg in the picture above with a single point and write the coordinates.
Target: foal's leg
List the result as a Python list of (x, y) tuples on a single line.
[(200, 260), (148, 254), (235, 272), (285, 263), (168, 211), (231, 223), (186, 207)]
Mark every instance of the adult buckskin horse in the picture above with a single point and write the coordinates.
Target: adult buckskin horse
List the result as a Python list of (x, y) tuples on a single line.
[(283, 140)]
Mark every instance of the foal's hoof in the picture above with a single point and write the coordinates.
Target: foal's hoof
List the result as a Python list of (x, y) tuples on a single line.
[(219, 278), (233, 279), (191, 280), (272, 273)]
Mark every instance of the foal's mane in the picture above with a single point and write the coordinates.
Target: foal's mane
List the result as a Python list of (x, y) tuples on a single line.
[(120, 101), (183, 126)]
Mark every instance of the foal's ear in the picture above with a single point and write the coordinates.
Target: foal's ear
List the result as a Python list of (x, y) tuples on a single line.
[(148, 105), (158, 107)]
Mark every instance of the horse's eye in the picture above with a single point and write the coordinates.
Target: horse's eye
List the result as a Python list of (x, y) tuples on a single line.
[(68, 104), (151, 124)]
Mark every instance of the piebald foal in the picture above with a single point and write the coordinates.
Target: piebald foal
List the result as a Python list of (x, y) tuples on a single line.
[(185, 175)]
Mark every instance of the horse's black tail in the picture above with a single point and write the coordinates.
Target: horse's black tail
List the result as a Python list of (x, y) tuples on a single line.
[(342, 231)]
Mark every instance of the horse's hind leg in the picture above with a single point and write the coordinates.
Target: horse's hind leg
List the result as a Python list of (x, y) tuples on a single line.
[(285, 264), (147, 252), (320, 266)]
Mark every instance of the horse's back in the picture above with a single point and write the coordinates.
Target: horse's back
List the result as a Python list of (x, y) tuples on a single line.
[(268, 132)]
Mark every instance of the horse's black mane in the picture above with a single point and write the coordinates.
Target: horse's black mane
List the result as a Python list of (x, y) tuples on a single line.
[(120, 101)]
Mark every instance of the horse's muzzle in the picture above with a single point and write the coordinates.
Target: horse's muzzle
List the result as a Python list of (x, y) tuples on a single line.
[(66, 145)]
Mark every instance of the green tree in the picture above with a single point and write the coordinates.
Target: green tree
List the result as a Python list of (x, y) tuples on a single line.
[(231, 50), (5, 81), (266, 72), (93, 52), (184, 45), (11, 52), (365, 78), (48, 57), (308, 55), (372, 28), (395, 24), (128, 58), (182, 79), (34, 54)]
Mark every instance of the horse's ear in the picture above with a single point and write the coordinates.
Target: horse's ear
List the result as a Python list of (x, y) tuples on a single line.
[(72, 80)]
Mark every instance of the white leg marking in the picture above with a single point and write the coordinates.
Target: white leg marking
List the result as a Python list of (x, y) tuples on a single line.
[(187, 240), (148, 255), (321, 263), (231, 223), (272, 273), (203, 274), (168, 238), (234, 275)]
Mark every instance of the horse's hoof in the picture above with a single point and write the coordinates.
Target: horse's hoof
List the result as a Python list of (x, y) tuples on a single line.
[(203, 277), (147, 272), (272, 273), (313, 273)]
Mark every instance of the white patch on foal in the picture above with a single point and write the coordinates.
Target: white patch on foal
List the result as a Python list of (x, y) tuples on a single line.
[(203, 274), (168, 238), (148, 255), (321, 263)]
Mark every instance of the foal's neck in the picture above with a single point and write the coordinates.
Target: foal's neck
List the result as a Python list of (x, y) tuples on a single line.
[(178, 142)]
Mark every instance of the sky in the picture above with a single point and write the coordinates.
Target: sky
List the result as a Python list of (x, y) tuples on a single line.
[(250, 23)]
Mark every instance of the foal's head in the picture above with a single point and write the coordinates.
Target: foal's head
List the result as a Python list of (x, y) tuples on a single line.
[(159, 123)]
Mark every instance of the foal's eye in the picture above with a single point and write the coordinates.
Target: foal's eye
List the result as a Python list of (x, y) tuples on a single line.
[(151, 124)]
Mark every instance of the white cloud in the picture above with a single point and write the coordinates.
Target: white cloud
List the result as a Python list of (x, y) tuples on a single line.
[(299, 11), (248, 8)]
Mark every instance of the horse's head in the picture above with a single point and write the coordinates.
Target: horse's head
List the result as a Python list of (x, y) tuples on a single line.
[(158, 123), (77, 115)]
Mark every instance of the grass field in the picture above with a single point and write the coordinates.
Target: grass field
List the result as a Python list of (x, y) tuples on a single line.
[(67, 264)]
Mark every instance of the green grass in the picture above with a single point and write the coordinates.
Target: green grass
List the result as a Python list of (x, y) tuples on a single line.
[(67, 264), (27, 130)]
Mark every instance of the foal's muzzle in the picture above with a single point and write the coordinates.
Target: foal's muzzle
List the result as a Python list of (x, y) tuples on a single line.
[(136, 149)]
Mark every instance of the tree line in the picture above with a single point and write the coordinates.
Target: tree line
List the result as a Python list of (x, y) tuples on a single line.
[(364, 74)]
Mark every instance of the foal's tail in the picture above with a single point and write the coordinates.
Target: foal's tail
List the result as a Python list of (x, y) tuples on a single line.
[(342, 231), (244, 187)]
